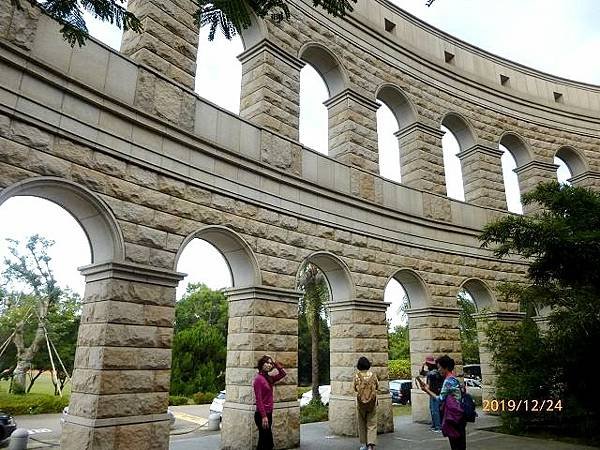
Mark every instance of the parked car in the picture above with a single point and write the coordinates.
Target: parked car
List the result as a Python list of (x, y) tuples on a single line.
[(474, 387), (7, 426), (400, 391), (216, 407), (325, 392), (472, 371)]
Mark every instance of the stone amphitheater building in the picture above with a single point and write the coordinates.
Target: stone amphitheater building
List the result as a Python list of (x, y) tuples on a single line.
[(122, 142)]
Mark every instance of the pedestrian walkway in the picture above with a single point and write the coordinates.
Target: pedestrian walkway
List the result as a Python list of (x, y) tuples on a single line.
[(408, 435)]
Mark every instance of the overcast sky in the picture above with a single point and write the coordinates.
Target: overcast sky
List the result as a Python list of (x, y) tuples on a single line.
[(561, 37)]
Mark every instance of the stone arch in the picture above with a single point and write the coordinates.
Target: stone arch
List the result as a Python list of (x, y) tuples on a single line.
[(241, 261), (403, 109), (481, 294), (575, 162), (461, 128), (255, 33), (516, 145), (327, 65), (337, 274), (92, 214), (415, 287)]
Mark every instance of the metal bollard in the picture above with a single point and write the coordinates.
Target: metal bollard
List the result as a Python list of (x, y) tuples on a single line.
[(18, 439), (214, 422)]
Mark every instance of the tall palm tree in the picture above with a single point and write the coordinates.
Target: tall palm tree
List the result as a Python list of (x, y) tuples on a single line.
[(312, 304)]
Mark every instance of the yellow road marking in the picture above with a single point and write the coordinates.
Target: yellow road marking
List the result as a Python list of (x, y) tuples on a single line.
[(190, 418)]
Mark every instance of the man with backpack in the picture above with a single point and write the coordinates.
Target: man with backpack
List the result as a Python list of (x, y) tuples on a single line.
[(366, 386), (434, 382)]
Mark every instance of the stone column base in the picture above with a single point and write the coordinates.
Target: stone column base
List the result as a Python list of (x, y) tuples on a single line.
[(385, 414), (239, 430), (134, 436), (342, 415), (419, 401)]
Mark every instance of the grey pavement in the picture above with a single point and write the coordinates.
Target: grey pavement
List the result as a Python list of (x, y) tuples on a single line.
[(408, 435), (192, 435)]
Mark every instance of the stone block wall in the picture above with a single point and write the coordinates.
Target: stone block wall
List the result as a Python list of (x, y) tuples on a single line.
[(166, 165)]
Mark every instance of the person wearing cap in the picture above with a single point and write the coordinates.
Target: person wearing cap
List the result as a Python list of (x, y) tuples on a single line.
[(434, 383)]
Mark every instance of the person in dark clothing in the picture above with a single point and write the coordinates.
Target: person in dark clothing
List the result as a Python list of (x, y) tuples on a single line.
[(263, 394), (434, 382), (453, 423)]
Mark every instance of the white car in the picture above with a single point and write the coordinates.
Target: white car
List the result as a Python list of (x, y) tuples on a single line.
[(473, 387), (325, 392), (216, 407)]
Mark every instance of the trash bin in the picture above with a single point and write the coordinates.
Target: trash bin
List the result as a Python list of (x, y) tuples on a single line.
[(213, 422), (18, 439)]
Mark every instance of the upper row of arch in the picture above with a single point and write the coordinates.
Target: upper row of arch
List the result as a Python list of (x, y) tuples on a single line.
[(336, 80)]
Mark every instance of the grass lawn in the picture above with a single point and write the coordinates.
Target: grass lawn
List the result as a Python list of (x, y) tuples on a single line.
[(43, 385), (402, 410)]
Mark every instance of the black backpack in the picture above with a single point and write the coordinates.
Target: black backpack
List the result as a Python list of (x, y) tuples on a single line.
[(468, 406)]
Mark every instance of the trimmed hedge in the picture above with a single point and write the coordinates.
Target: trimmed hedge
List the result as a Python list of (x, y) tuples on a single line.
[(399, 369), (26, 404), (176, 400), (203, 398)]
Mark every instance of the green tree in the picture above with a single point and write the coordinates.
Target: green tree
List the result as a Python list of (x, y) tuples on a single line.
[(47, 309), (468, 329), (200, 341), (228, 16), (399, 343), (30, 266), (312, 305), (562, 242), (305, 348), (202, 303)]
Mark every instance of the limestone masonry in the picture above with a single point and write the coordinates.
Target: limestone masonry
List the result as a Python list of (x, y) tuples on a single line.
[(145, 165)]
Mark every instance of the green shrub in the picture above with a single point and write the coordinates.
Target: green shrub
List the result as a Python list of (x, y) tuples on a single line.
[(176, 400), (303, 389), (315, 411), (19, 405), (399, 369), (203, 398)]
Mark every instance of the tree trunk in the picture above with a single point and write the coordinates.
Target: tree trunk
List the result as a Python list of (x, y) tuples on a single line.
[(314, 351), (33, 379), (25, 355)]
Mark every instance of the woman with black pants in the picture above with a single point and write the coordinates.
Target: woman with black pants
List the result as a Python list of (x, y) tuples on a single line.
[(263, 394)]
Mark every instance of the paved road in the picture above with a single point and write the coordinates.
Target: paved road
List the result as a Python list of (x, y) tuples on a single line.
[(45, 429), (190, 434), (408, 436)]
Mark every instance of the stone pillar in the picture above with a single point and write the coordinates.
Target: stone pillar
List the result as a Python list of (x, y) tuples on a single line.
[(542, 323), (358, 328), (270, 94), (169, 40), (422, 158), (121, 381), (432, 331), (488, 375), (262, 320), (588, 179), (353, 130), (482, 176), (532, 174)]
